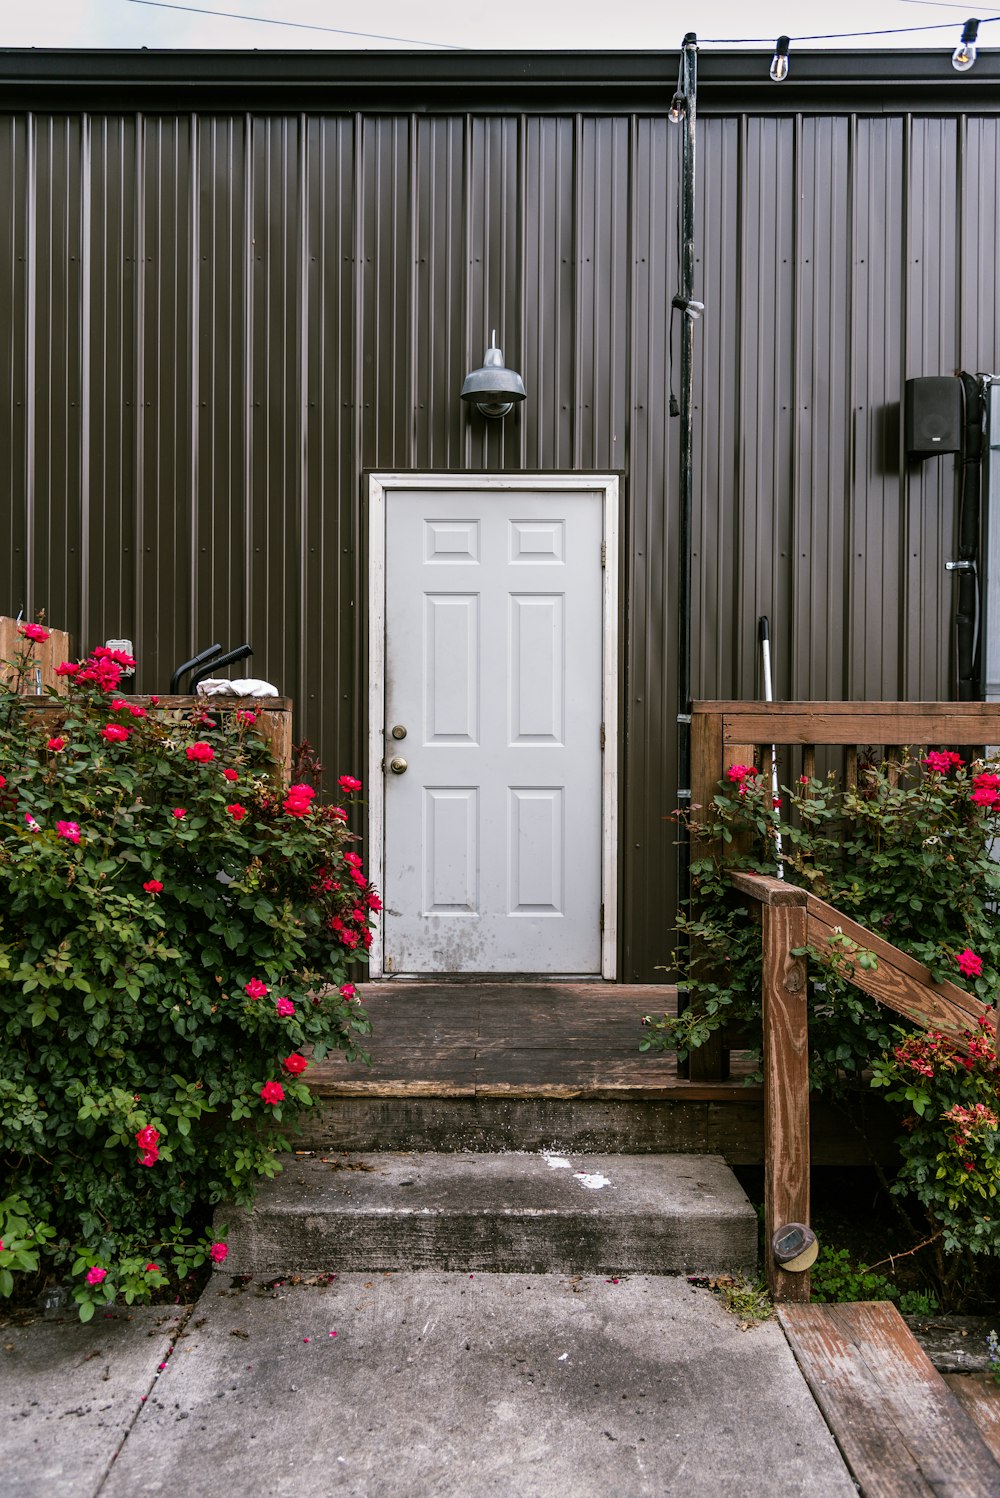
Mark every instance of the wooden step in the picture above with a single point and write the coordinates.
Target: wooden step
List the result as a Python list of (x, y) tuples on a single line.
[(900, 1428), (514, 1065)]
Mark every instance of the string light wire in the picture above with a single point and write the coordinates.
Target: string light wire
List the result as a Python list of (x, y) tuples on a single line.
[(831, 36), (233, 15)]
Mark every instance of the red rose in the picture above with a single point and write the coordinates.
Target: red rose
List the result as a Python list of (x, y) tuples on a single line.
[(114, 733), (231, 774), (236, 811), (200, 752), (349, 783), (153, 887), (295, 1063), (272, 1092)]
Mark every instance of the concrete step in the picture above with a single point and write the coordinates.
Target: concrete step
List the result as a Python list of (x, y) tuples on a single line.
[(507, 1213)]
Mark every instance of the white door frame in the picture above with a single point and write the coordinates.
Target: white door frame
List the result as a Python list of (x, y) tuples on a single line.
[(607, 484)]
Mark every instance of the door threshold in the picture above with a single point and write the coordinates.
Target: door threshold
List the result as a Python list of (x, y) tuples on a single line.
[(487, 978)]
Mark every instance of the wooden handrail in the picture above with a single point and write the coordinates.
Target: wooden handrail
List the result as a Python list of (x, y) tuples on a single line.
[(727, 733), (792, 919)]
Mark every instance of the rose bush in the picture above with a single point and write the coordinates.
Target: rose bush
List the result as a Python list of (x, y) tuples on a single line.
[(176, 942), (906, 853)]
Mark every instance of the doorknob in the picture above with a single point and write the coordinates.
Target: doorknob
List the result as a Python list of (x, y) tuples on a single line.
[(397, 766)]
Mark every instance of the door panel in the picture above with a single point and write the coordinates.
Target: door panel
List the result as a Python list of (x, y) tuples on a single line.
[(493, 650)]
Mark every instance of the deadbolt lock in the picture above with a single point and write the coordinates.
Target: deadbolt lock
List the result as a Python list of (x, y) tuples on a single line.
[(399, 732), (397, 766)]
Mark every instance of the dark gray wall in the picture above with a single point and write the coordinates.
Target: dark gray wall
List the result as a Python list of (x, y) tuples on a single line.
[(216, 318)]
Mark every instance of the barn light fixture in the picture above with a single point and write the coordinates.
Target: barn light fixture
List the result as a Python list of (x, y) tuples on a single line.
[(965, 54), (779, 62), (494, 388)]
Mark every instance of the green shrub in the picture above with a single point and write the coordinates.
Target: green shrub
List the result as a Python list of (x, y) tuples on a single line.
[(176, 933), (907, 854)]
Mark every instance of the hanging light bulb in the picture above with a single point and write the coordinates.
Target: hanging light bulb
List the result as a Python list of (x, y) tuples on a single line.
[(678, 108), (779, 62), (965, 53)]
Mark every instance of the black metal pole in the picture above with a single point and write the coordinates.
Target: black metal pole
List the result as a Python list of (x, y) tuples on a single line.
[(688, 87), (968, 687)]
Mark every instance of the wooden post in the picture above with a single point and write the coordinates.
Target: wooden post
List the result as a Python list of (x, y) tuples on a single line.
[(786, 1084)]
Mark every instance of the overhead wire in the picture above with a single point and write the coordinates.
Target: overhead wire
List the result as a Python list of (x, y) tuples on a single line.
[(233, 15)]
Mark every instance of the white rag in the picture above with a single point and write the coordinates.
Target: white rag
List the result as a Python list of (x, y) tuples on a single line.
[(244, 686)]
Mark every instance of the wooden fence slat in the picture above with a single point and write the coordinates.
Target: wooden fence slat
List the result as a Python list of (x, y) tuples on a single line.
[(274, 717), (47, 655), (853, 723), (786, 1086)]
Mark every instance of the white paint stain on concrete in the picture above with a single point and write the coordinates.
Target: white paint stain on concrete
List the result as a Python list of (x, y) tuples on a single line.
[(555, 1162), (592, 1182)]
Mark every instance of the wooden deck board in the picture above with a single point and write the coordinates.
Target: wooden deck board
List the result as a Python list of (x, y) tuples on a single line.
[(979, 1397), (901, 1430)]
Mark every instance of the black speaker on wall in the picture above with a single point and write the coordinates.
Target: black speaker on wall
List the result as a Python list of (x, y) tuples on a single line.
[(932, 416)]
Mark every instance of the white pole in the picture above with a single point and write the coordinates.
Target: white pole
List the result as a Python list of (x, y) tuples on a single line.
[(765, 647)]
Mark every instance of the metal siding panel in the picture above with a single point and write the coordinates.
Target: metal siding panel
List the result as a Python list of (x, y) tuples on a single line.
[(718, 411), (930, 333), (57, 549), (109, 305), (649, 771), (875, 376), (812, 663), (17, 187), (264, 305)]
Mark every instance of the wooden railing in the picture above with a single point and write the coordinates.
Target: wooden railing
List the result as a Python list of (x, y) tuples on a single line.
[(791, 919), (729, 733)]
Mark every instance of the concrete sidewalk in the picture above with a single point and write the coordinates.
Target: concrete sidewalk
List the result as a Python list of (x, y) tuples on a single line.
[(452, 1385)]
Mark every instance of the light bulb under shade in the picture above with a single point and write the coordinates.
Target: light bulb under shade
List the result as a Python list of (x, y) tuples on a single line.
[(678, 108), (779, 62), (965, 53)]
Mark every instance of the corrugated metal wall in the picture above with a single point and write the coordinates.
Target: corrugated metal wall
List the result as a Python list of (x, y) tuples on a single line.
[(216, 322)]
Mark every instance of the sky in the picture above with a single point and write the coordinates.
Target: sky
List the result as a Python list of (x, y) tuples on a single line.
[(528, 24)]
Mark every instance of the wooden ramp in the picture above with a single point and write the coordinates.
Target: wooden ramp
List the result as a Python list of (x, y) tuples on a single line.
[(902, 1432)]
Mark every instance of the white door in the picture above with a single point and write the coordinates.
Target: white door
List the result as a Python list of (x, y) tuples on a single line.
[(493, 729)]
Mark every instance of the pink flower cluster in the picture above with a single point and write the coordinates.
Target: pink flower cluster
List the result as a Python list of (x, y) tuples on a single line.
[(103, 667), (967, 1120), (95, 1275), (298, 802), (985, 789), (69, 830), (148, 1141), (969, 965), (284, 1008), (940, 761)]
